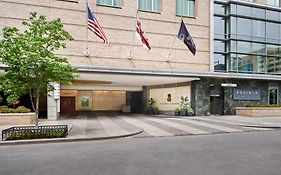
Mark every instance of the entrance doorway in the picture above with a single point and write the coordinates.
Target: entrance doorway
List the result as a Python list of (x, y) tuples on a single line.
[(216, 101), (67, 105), (215, 105)]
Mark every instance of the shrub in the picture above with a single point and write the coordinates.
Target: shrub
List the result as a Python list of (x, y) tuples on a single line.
[(4, 109), (20, 109), (264, 105)]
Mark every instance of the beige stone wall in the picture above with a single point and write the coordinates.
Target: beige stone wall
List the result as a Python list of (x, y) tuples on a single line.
[(258, 112), (160, 96), (118, 24), (17, 119), (98, 100)]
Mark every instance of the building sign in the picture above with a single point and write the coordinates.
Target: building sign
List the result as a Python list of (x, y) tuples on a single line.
[(245, 94)]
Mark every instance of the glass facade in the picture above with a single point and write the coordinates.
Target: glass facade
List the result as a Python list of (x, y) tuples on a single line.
[(273, 2), (247, 37)]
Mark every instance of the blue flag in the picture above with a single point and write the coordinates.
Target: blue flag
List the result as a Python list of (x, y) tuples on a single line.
[(186, 38)]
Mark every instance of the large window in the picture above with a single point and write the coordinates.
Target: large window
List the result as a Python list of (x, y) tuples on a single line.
[(272, 32), (149, 5), (258, 30), (114, 3), (185, 7), (219, 62), (273, 2), (219, 27), (248, 37)]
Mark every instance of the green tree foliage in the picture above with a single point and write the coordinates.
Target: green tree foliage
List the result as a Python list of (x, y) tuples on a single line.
[(32, 64)]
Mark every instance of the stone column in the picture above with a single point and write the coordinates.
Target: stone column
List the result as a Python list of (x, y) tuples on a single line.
[(53, 103), (200, 97), (145, 95)]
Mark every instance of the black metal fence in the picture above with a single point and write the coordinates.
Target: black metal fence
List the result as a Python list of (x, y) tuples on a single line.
[(32, 132)]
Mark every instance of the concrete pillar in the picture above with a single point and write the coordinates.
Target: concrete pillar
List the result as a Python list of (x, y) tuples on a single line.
[(53, 103), (145, 95)]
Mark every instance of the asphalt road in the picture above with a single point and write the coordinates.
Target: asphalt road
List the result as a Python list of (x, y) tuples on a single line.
[(250, 153)]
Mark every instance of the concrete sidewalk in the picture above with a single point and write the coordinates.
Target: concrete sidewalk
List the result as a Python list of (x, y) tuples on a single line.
[(107, 127), (270, 122), (82, 128)]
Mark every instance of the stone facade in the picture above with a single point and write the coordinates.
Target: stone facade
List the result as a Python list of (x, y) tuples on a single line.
[(258, 112), (118, 24), (17, 119)]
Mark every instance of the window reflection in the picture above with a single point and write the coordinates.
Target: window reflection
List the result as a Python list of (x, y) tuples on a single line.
[(219, 62), (255, 39)]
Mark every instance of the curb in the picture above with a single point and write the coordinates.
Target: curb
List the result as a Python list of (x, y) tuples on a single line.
[(259, 126), (40, 141)]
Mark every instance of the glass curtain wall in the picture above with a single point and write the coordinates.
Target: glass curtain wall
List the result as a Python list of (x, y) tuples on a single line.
[(248, 38)]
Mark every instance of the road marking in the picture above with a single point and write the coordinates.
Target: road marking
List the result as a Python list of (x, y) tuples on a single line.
[(111, 127), (178, 126), (216, 127), (152, 130)]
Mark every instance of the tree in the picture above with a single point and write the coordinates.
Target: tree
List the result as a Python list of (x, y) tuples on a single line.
[(32, 66)]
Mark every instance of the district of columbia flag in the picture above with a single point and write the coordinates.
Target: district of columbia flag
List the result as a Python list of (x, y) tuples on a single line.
[(140, 35), (186, 38), (94, 26)]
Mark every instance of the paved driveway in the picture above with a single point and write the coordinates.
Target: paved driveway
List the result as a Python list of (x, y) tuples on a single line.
[(158, 126), (92, 126)]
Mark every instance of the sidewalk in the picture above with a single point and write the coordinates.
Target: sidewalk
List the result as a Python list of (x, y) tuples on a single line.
[(270, 122), (107, 127), (80, 129)]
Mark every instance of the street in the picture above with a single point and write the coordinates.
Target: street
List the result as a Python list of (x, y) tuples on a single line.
[(251, 153)]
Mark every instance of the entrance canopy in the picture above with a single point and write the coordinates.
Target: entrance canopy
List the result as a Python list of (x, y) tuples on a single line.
[(115, 81)]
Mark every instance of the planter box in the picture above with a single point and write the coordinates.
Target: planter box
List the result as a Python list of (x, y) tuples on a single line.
[(32, 132), (259, 111), (17, 118)]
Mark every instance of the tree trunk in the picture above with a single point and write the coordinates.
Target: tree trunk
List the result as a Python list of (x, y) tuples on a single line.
[(37, 107)]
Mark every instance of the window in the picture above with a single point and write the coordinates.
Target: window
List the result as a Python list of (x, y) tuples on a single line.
[(73, 1), (185, 7), (219, 46), (114, 3), (219, 27), (219, 9), (219, 62), (232, 63), (244, 27), (272, 33), (258, 13), (272, 15), (243, 10), (149, 5), (273, 2), (258, 30), (244, 47), (245, 63)]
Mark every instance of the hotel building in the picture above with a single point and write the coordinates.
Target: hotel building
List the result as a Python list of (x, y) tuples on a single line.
[(238, 58)]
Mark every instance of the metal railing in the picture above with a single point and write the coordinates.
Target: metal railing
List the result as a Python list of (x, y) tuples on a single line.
[(32, 132)]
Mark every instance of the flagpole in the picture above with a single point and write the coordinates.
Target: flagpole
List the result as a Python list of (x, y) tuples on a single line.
[(130, 56), (169, 55), (87, 51)]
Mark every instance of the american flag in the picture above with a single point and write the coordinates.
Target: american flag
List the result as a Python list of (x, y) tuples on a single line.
[(140, 35), (94, 26)]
